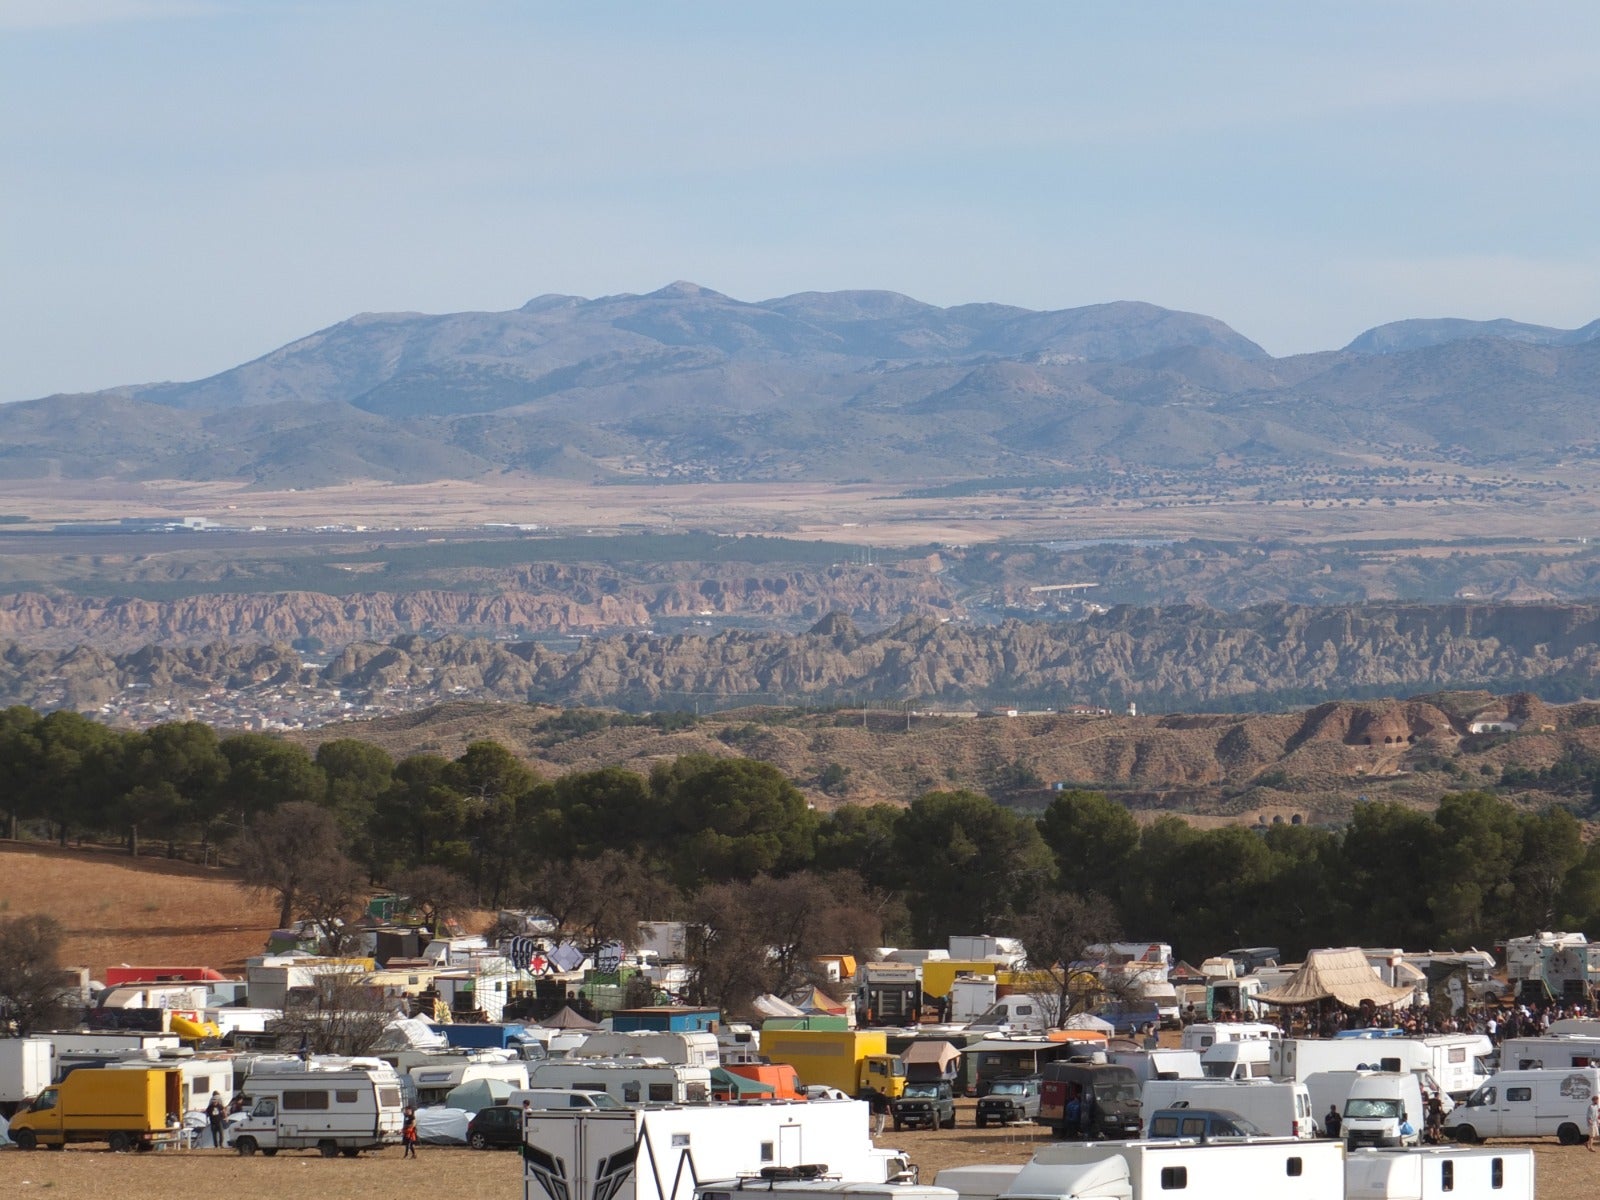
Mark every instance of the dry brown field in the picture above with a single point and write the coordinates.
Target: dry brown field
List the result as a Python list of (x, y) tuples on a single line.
[(863, 514), (1563, 1172), (142, 911)]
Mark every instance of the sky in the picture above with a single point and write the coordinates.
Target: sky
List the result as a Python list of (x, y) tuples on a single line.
[(186, 185)]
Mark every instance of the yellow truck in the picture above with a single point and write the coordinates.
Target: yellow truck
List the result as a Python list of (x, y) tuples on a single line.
[(130, 1109), (852, 1060)]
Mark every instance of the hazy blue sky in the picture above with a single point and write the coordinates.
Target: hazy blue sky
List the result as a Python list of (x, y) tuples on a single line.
[(187, 184)]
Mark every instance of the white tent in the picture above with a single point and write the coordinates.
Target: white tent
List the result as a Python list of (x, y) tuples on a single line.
[(1089, 1022)]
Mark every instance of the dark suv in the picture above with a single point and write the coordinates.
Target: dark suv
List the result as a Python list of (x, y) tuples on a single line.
[(497, 1125), (1010, 1098), (931, 1105)]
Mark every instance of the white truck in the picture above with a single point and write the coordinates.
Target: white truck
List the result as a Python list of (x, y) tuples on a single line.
[(1251, 1059), (1159, 1064), (1448, 1062), (334, 1112), (660, 1153), (1527, 1104), (631, 1081), (1282, 1169), (1439, 1173), (1383, 1108), (1279, 1109), (27, 1067)]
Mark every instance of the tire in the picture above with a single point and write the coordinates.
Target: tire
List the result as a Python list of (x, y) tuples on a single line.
[(899, 1125), (269, 1153), (350, 1151), (951, 1123), (328, 1149), (478, 1142), (120, 1142), (1465, 1134), (983, 1121), (1569, 1135), (26, 1139), (246, 1146)]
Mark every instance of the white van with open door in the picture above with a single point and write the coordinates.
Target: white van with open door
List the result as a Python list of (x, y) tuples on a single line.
[(1527, 1104)]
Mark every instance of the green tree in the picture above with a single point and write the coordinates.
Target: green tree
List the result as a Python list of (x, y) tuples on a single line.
[(1391, 851), (357, 774), (172, 776), (968, 864), (266, 772), (1471, 891), (590, 812), (497, 788), (1552, 849), (861, 838), (731, 818), (421, 817), (1094, 841)]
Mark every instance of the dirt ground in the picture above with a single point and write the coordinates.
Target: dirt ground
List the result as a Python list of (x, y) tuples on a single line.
[(142, 911), (1563, 1173)]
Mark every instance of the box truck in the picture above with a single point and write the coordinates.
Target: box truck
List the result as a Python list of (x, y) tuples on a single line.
[(128, 1109), (851, 1060), (27, 1067), (1280, 1108)]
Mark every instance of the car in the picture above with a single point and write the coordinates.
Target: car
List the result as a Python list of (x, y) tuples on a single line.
[(1010, 1098), (498, 1126), (932, 1105), (1200, 1123)]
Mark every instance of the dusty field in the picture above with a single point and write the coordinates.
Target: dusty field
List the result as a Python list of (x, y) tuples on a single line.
[(1564, 1173), (863, 514), (144, 911)]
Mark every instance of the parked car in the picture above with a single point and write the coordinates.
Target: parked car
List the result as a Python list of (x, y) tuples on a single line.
[(930, 1105), (1201, 1123), (1011, 1098), (497, 1127)]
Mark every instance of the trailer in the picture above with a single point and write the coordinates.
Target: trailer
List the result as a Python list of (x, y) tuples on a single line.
[(809, 1185), (27, 1067), (1440, 1173), (661, 1153), (1283, 1169), (690, 1048)]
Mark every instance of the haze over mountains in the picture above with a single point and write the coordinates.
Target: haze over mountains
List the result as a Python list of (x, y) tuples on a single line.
[(686, 383)]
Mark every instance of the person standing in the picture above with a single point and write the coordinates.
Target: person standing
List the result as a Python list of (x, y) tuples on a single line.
[(878, 1105), (408, 1132), (1591, 1133), (1333, 1123), (216, 1117)]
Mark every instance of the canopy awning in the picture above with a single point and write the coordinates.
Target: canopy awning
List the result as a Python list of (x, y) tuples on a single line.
[(739, 1085), (1341, 975)]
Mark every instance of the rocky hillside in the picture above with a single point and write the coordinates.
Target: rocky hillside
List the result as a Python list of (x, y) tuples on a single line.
[(1164, 658)]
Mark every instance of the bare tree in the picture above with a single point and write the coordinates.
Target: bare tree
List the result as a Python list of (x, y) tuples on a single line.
[(333, 893), (596, 901), (1057, 933), (33, 987), (434, 893), (339, 1013)]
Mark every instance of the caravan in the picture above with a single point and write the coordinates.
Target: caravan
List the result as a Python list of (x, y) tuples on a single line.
[(335, 1112), (631, 1081)]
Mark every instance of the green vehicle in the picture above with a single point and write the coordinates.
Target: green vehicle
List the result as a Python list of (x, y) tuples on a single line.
[(926, 1106)]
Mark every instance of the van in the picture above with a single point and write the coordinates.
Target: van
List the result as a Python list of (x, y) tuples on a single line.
[(1202, 1124), (334, 1112), (1089, 1100), (1282, 1109), (1204, 1034), (1238, 1060), (544, 1098), (1383, 1108), (1527, 1104)]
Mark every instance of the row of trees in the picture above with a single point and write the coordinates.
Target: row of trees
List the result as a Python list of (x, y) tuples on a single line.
[(733, 846)]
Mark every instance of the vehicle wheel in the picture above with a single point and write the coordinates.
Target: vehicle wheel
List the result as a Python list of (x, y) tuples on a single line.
[(350, 1152), (1569, 1134), (899, 1125), (1465, 1134), (269, 1153), (983, 1121), (246, 1146), (951, 1123), (26, 1139), (328, 1149), (121, 1143), (478, 1142)]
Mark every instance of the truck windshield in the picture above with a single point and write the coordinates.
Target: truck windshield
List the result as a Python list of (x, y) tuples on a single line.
[(1217, 1070), (1372, 1109), (1117, 1093)]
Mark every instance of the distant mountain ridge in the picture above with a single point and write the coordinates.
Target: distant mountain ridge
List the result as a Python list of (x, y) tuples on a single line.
[(688, 384)]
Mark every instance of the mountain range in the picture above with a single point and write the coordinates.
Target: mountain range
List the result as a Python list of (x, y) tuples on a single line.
[(686, 383)]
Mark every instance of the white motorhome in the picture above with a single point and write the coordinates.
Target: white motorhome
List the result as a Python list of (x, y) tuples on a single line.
[(1550, 1053), (1440, 1173), (1448, 1062), (1203, 1035), (1238, 1060), (659, 1153), (694, 1049), (1527, 1104), (1279, 1109), (433, 1082), (1383, 1108), (631, 1081), (1018, 1013), (1285, 1169), (334, 1112)]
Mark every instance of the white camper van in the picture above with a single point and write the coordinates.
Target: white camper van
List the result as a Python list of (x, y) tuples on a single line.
[(1440, 1173), (335, 1112), (1202, 1036), (631, 1081), (690, 1049), (1280, 1109), (659, 1153), (1552, 1053), (1380, 1109), (1250, 1059), (1527, 1104)]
